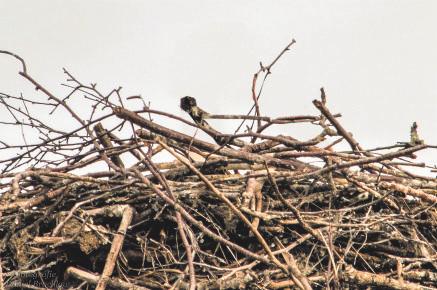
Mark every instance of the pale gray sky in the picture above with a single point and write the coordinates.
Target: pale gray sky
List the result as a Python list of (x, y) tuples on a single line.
[(376, 59)]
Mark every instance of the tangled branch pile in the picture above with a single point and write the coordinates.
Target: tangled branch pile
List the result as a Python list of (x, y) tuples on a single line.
[(235, 211)]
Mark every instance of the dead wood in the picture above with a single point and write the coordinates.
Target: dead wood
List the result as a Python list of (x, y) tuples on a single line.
[(98, 207)]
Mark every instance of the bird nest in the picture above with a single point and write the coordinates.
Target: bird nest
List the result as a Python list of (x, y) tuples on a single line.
[(98, 206)]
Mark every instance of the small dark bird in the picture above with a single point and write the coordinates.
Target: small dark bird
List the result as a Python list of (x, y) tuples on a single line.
[(189, 105), (414, 136)]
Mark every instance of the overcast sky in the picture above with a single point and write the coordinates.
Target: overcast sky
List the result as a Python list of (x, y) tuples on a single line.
[(376, 59)]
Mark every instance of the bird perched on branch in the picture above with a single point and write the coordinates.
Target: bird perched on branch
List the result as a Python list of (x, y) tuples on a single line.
[(414, 136), (189, 105)]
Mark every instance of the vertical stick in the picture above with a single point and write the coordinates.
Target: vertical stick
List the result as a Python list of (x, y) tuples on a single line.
[(117, 243)]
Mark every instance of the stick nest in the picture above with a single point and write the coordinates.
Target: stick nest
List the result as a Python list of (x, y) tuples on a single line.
[(97, 206)]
